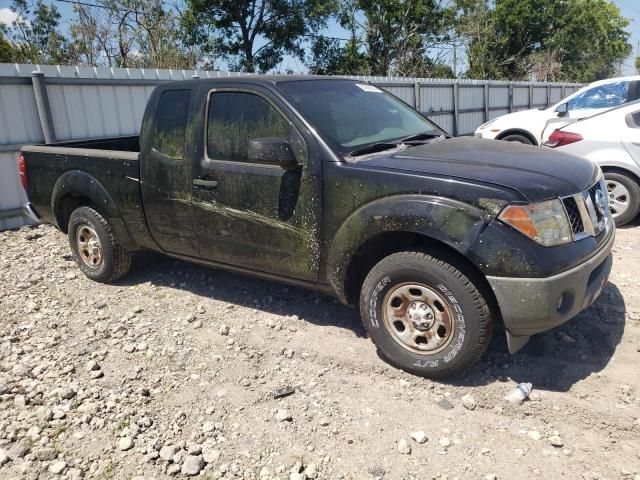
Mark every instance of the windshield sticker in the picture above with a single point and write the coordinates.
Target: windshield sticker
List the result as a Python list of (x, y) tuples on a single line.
[(368, 88)]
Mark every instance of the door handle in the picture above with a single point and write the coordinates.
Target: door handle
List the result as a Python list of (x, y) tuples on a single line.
[(209, 184)]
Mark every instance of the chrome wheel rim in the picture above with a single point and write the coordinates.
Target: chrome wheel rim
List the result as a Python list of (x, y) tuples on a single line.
[(418, 318), (618, 196), (89, 246)]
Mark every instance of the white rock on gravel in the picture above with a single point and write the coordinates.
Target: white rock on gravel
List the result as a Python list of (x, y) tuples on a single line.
[(444, 442), (556, 441), (125, 443), (192, 465), (469, 402), (404, 447), (58, 467), (168, 451), (224, 330), (4, 458), (283, 416), (534, 435), (419, 436)]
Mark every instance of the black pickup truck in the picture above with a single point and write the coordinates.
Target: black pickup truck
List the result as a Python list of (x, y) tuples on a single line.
[(335, 185)]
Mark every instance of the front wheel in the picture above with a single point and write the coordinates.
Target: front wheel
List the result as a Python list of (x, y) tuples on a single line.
[(424, 315), (95, 248), (515, 137), (624, 197)]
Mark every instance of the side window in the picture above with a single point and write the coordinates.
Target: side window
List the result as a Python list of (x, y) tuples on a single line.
[(237, 117), (169, 135), (602, 96)]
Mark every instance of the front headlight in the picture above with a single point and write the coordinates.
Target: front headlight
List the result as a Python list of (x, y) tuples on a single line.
[(487, 124), (544, 222)]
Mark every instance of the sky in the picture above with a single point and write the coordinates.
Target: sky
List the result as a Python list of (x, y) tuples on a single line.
[(629, 8)]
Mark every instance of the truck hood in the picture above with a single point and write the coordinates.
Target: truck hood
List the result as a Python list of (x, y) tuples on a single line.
[(535, 172)]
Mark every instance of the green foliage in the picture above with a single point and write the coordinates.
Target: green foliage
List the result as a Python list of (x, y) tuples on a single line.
[(252, 35), (576, 40), (387, 37), (34, 34)]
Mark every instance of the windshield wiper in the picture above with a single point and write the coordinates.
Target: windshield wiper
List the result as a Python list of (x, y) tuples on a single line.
[(420, 136), (373, 148)]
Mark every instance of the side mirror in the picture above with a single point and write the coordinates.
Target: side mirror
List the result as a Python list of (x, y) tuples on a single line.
[(272, 150), (562, 109)]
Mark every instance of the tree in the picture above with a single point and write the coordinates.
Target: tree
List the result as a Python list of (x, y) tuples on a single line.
[(387, 37), (577, 40), (252, 35), (7, 52), (129, 33), (637, 64), (34, 34)]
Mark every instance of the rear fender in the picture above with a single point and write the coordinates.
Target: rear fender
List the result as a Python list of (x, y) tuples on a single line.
[(81, 184)]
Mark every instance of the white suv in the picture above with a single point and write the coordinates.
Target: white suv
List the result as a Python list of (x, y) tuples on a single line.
[(527, 126)]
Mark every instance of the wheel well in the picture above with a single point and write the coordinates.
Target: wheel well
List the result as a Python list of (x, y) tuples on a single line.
[(515, 131), (622, 171), (66, 205), (385, 244)]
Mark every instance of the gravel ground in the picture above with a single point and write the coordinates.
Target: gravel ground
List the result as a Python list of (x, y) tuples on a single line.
[(172, 371)]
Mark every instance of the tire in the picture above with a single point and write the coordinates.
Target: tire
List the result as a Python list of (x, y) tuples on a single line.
[(624, 197), (448, 292), (515, 137), (95, 248)]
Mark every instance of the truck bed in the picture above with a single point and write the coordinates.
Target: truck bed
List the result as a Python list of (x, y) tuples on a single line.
[(106, 164)]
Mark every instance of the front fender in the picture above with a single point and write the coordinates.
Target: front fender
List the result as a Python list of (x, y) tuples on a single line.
[(82, 184), (451, 222)]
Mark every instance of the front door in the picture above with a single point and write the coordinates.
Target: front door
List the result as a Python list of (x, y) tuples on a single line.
[(248, 213)]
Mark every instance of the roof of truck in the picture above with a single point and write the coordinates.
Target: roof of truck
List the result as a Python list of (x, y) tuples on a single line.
[(251, 78)]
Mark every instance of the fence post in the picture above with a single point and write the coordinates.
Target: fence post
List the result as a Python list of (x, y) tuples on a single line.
[(416, 96), (548, 94), (530, 96), (486, 102), (510, 97), (456, 106), (43, 106)]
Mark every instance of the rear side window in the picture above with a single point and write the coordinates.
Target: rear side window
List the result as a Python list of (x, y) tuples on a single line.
[(237, 117), (171, 123)]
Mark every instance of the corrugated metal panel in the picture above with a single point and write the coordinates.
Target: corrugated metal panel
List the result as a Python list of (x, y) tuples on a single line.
[(539, 95), (19, 121), (468, 122), (405, 93), (96, 102), (555, 94), (471, 96), (520, 97), (436, 99), (499, 97)]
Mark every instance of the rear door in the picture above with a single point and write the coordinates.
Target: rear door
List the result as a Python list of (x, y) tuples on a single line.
[(165, 172), (631, 134), (256, 215)]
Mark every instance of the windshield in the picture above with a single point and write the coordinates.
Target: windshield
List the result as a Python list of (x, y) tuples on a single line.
[(352, 115)]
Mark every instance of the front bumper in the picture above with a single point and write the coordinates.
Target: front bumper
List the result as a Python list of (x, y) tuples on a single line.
[(533, 305)]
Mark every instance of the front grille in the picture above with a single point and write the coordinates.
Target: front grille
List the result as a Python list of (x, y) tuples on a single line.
[(585, 216), (573, 212)]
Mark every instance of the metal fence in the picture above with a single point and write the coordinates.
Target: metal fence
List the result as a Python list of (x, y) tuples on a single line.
[(48, 103)]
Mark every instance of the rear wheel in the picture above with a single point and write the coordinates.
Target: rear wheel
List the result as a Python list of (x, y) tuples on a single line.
[(95, 248), (624, 197), (424, 315), (515, 137)]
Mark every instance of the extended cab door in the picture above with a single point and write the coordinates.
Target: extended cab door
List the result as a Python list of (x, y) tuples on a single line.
[(165, 172), (255, 214)]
